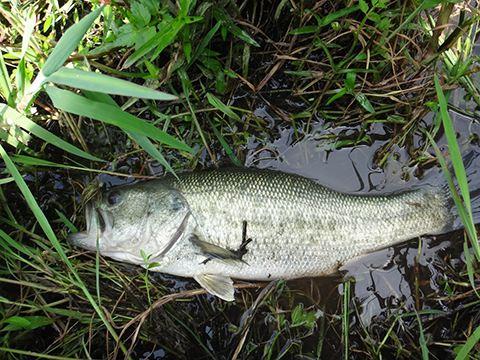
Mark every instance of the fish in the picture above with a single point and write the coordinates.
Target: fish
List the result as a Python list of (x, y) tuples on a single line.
[(215, 226)]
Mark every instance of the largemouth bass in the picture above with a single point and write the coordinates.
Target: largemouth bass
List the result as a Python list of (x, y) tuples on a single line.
[(253, 225)]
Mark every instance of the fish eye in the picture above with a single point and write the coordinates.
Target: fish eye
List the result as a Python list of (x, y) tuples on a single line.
[(113, 198)]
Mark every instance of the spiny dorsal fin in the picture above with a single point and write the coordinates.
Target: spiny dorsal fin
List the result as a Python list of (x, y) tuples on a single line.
[(218, 285)]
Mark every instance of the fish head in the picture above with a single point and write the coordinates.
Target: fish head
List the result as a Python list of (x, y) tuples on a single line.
[(122, 221)]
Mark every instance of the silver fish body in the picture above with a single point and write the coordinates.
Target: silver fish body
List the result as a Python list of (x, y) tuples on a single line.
[(295, 227)]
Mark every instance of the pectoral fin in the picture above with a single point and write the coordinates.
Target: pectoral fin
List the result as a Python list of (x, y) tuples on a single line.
[(211, 251), (218, 285)]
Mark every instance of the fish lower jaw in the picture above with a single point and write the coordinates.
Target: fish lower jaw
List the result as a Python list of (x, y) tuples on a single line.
[(124, 257), (85, 240)]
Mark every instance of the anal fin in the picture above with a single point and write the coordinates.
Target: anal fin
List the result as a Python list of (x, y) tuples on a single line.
[(218, 285)]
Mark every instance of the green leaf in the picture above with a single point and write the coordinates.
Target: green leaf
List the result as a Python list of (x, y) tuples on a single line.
[(69, 42), (350, 81), (27, 322), (93, 81), (5, 83), (80, 105), (216, 102), (220, 14), (229, 151), (65, 46), (145, 35), (374, 17), (140, 13), (338, 14), (363, 6), (362, 99), (67, 222), (6, 181), (325, 20), (297, 314), (152, 6), (17, 320), (230, 73), (453, 145), (220, 83), (304, 30), (459, 169), (127, 36), (148, 146), (200, 49), (211, 64), (165, 35), (16, 137), (192, 19), (336, 96), (9, 114), (186, 44), (184, 6), (27, 33)]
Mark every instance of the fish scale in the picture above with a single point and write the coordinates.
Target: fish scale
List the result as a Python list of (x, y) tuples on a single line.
[(297, 227)]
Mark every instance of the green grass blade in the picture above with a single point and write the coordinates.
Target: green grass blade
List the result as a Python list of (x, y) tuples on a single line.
[(27, 33), (468, 259), (7, 113), (221, 14), (472, 341), (458, 168), (17, 140), (229, 151), (69, 42), (423, 343), (67, 222), (363, 100), (12, 244), (6, 181), (453, 146), (80, 105), (199, 50), (346, 302), (213, 100), (148, 146), (21, 80), (104, 84), (5, 86), (409, 19), (34, 355), (467, 222), (325, 20)]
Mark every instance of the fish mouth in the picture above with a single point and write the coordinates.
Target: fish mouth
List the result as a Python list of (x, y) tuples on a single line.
[(99, 224)]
